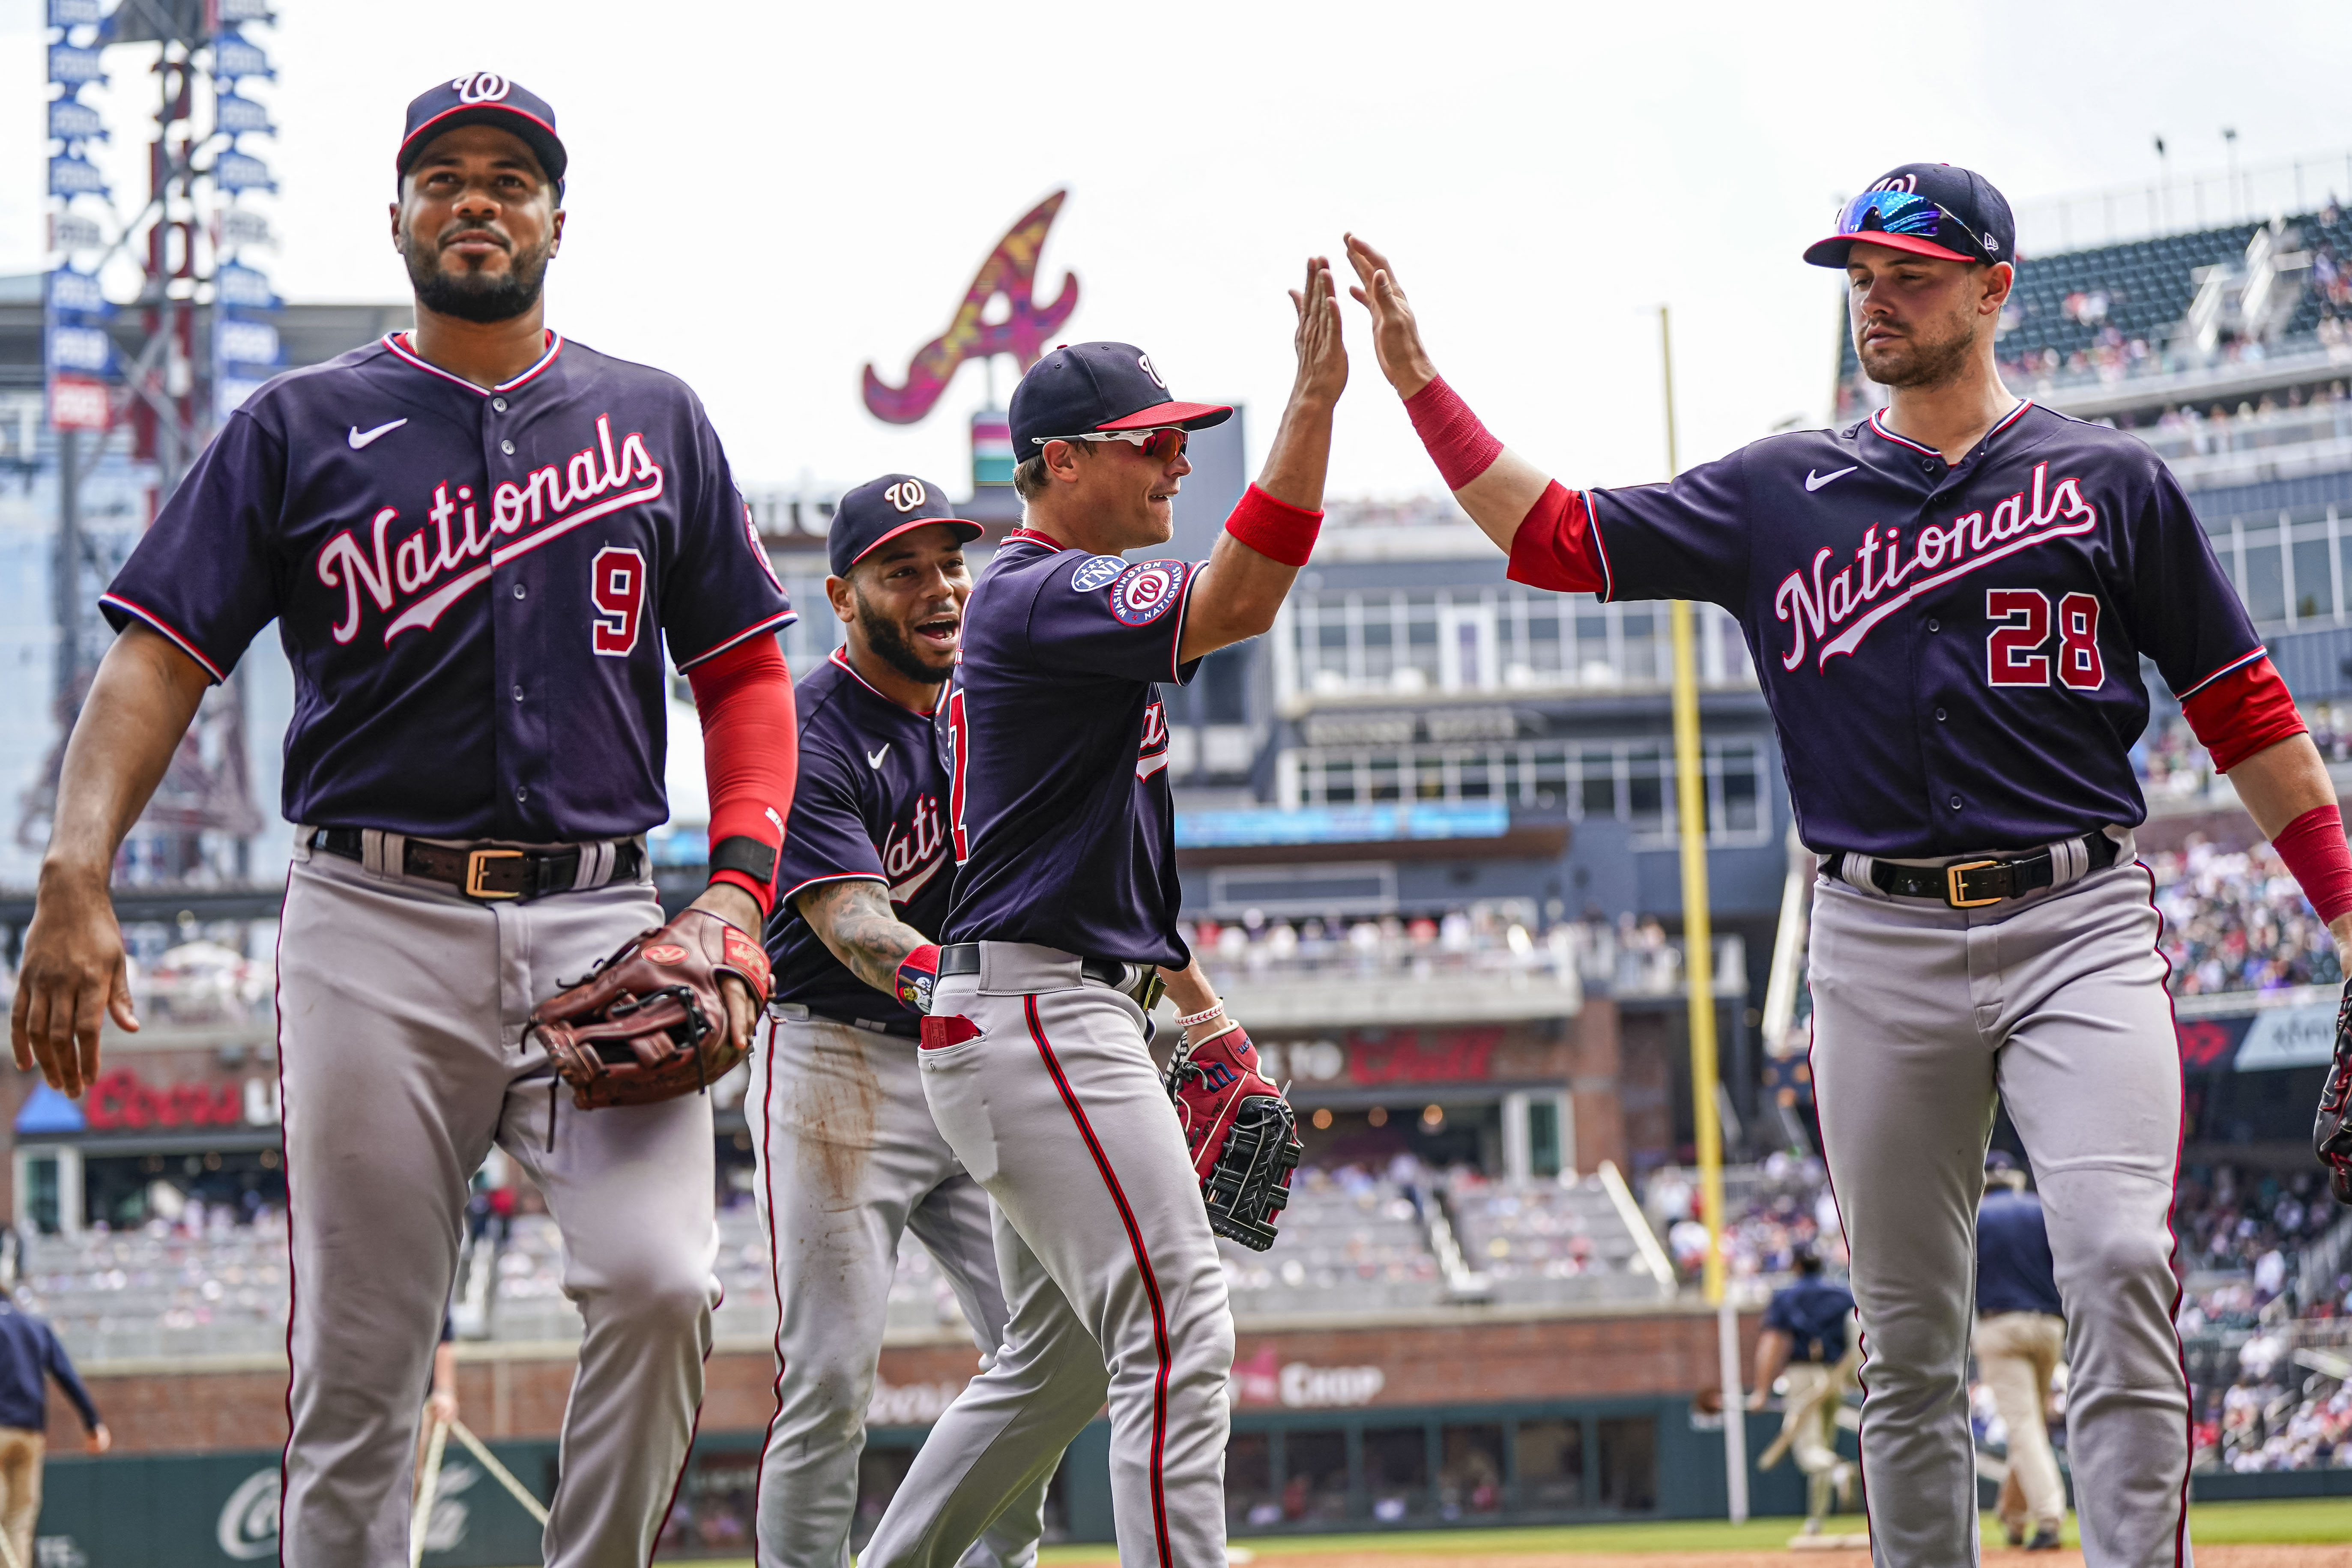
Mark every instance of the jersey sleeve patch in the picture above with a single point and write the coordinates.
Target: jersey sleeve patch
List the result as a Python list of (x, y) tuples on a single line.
[(1096, 571), (1144, 592)]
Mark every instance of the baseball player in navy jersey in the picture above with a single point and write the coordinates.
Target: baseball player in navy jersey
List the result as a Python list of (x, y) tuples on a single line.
[(1947, 603), (849, 1158), (1034, 1058), (476, 538)]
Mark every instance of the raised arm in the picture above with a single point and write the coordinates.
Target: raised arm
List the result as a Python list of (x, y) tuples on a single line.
[(138, 707), (1271, 532)]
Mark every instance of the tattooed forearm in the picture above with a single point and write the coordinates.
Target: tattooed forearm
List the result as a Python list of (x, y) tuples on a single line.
[(853, 919)]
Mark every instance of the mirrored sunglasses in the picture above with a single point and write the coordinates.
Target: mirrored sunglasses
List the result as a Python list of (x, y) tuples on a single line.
[(1161, 445)]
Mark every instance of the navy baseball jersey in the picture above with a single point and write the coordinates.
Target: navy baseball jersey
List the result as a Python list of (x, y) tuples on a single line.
[(1063, 825), (1812, 1312), (1952, 651), (869, 805), (2015, 1272), (473, 585)]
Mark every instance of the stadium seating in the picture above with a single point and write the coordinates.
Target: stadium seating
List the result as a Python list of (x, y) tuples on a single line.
[(1549, 1241)]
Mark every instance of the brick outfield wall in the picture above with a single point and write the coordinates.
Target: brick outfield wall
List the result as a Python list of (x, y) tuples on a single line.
[(1498, 1359)]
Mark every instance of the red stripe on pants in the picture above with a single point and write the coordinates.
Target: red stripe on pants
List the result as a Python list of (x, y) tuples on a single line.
[(1143, 1267)]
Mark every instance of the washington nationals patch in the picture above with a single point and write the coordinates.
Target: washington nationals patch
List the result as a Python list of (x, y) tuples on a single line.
[(1147, 591)]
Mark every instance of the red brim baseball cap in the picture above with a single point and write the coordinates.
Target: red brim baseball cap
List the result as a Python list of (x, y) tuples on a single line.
[(1925, 209), (1186, 416), (1082, 387), (484, 98)]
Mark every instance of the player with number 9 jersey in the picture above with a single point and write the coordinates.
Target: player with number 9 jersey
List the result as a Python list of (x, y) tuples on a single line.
[(479, 541)]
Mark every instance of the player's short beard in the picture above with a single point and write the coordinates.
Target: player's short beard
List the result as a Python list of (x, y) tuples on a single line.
[(1921, 362), (475, 295), (891, 646)]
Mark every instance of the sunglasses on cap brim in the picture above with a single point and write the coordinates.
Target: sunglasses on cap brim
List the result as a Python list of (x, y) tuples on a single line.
[(1161, 445), (1906, 213)]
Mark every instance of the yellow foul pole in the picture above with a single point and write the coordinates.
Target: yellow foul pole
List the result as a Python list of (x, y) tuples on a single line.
[(1698, 945), (1698, 971)]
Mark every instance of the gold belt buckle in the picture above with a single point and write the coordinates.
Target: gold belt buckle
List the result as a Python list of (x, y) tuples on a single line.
[(1952, 886), (476, 863)]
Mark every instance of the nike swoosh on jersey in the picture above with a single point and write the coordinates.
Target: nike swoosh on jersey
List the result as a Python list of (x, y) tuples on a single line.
[(874, 759), (362, 437), (1814, 481)]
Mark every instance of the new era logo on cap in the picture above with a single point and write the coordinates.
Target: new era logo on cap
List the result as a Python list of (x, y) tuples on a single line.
[(879, 510), (482, 98), (1082, 387)]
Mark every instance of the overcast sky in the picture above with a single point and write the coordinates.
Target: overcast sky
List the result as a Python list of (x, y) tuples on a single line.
[(764, 197)]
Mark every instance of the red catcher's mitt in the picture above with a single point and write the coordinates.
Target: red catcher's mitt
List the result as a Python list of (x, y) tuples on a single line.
[(650, 1023), (1244, 1138), (2331, 1131)]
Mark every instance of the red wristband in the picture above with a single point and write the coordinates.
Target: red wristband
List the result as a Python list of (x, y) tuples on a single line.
[(2313, 849), (1275, 529), (1462, 448), (918, 973)]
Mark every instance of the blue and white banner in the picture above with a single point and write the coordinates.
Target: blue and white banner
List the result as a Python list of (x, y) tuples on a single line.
[(240, 171), (74, 67), (236, 284), (239, 116), (74, 13), (71, 176), (234, 58), (71, 120)]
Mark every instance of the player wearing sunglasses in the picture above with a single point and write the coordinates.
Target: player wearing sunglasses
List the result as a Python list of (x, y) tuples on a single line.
[(1033, 1056), (1948, 603)]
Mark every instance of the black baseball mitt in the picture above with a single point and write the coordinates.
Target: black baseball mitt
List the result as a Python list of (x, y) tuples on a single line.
[(2331, 1132), (650, 1023)]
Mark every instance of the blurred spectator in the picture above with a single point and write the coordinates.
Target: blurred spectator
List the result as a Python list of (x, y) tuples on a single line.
[(30, 1356)]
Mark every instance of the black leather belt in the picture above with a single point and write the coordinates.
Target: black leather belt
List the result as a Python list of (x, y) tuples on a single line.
[(1972, 884), (964, 958), (489, 872)]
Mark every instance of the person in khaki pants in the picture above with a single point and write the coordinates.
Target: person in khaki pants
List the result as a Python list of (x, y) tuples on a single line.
[(2021, 1338), (29, 1357)]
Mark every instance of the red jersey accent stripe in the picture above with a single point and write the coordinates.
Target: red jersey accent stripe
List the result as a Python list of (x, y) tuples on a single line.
[(2245, 709), (554, 346), (2241, 661), (780, 619), (165, 628), (1143, 1267)]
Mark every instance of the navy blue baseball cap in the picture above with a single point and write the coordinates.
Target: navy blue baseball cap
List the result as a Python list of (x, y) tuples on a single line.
[(1084, 388), (482, 98), (1928, 209), (879, 510)]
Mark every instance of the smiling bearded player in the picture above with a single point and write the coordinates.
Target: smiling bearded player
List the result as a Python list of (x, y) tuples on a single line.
[(1948, 604), (477, 539), (849, 1157)]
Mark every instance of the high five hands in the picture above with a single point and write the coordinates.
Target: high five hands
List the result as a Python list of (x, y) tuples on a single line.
[(1396, 336), (1322, 354)]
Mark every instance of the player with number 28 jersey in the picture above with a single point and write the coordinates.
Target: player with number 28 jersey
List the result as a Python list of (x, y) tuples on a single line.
[(1947, 603)]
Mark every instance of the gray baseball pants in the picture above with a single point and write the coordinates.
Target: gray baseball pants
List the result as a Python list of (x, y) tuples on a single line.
[(2054, 1003), (1108, 1265), (849, 1159), (401, 1008)]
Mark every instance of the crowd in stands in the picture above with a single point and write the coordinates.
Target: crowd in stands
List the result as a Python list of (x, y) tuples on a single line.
[(1772, 1212), (2238, 921), (1628, 956)]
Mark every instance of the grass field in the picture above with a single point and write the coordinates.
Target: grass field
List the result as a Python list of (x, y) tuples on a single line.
[(2285, 1521), (2320, 1522)]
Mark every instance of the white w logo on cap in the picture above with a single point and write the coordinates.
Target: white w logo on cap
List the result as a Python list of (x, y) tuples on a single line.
[(906, 495), (481, 87)]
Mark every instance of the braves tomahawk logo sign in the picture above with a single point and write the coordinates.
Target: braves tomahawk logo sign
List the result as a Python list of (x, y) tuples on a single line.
[(1011, 270)]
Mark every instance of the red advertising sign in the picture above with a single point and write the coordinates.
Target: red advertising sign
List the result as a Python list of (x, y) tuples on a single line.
[(120, 1103), (76, 403), (1406, 1056)]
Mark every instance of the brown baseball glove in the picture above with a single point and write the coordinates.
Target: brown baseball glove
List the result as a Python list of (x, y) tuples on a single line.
[(649, 1023)]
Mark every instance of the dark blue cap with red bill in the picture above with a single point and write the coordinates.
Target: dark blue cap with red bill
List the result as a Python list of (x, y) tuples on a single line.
[(1927, 209), (482, 98), (1084, 388), (879, 510)]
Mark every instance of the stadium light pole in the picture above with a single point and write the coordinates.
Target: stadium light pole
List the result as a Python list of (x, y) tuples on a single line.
[(1698, 973)]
